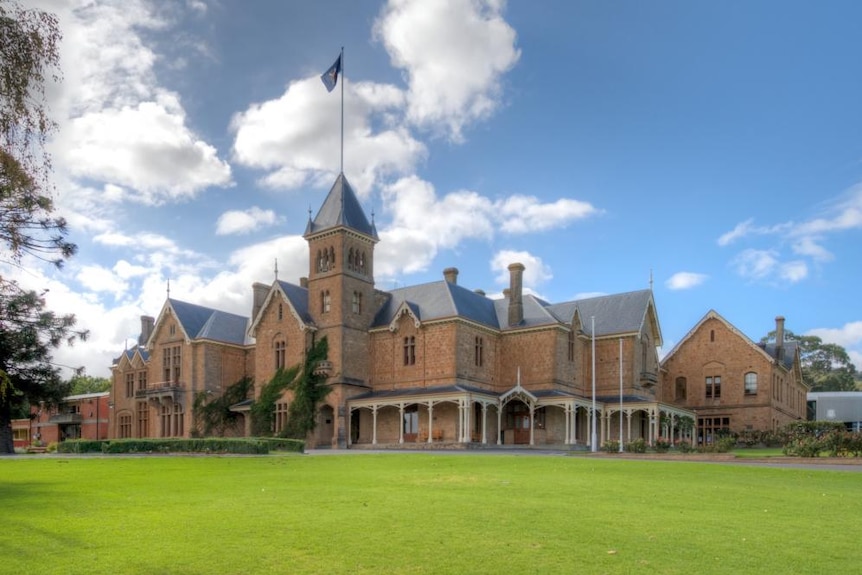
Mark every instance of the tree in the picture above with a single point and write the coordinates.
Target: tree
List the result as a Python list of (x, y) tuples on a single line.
[(825, 366), (29, 52), (80, 384)]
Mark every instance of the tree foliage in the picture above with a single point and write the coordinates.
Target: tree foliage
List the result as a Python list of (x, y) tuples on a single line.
[(825, 366), (213, 417), (29, 56), (263, 409), (308, 391), (80, 384)]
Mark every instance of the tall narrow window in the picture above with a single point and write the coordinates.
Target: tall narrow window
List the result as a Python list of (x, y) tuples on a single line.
[(130, 384), (280, 312), (125, 427), (681, 390), (325, 301), (357, 302), (409, 350), (479, 352), (142, 380), (571, 346), (712, 335), (280, 347), (280, 419), (713, 387), (143, 413), (750, 383)]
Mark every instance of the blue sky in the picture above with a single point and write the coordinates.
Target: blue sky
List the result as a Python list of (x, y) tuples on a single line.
[(713, 145)]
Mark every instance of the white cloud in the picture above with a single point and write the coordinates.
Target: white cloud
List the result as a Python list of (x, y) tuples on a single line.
[(244, 222), (296, 137), (118, 126), (535, 271), (741, 230), (848, 336), (794, 271), (453, 53), (99, 279), (522, 214), (809, 246), (685, 280), (756, 264)]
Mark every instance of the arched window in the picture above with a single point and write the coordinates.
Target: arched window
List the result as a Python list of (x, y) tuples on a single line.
[(350, 263), (325, 301), (750, 383), (331, 258), (362, 263), (280, 352)]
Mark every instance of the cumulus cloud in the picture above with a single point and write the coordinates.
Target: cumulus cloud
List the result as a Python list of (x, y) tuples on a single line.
[(523, 214), (244, 222), (295, 137), (535, 271), (806, 240), (685, 280), (119, 126), (423, 222), (848, 336), (453, 54)]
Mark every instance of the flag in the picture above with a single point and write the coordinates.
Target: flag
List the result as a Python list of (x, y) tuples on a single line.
[(330, 77)]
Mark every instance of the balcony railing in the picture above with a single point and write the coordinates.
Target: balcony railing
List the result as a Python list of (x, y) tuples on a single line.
[(161, 389), (62, 418)]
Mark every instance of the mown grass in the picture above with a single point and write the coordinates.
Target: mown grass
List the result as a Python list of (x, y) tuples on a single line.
[(423, 513)]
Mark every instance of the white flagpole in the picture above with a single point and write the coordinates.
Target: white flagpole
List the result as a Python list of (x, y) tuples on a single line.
[(593, 440), (343, 80), (621, 395)]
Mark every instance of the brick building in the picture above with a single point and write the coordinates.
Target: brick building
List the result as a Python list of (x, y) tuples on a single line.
[(733, 383), (83, 416), (435, 362)]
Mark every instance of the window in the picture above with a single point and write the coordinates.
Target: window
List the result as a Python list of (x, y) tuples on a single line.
[(143, 419), (572, 345), (125, 426), (280, 312), (410, 350), (479, 352), (130, 384), (325, 301), (280, 419), (750, 383), (711, 428), (713, 387), (173, 329), (142, 380), (712, 335), (171, 363), (22, 434), (681, 389), (351, 263), (280, 347), (357, 302)]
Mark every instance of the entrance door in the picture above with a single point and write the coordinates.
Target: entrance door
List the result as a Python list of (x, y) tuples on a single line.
[(411, 423), (518, 421)]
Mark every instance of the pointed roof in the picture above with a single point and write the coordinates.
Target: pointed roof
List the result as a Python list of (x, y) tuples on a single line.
[(437, 300), (341, 208), (199, 322), (712, 314), (297, 301)]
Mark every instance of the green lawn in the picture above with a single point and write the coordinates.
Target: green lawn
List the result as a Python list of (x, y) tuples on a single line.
[(423, 513)]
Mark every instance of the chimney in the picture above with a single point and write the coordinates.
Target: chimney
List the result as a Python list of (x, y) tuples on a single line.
[(303, 282), (516, 305), (147, 324), (479, 291), (779, 338), (259, 291), (451, 275)]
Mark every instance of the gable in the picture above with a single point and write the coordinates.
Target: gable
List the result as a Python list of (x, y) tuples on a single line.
[(704, 327)]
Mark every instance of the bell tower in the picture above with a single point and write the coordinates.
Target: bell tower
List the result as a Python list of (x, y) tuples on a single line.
[(341, 290)]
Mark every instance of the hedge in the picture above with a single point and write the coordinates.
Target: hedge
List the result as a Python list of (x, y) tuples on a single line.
[(251, 445)]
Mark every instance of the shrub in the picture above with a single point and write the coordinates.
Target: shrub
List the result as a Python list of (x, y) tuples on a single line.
[(283, 444), (80, 446), (636, 446), (684, 446), (611, 446), (662, 445), (206, 445), (804, 447), (725, 444)]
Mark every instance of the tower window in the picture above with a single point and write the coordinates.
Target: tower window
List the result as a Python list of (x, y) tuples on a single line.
[(325, 301), (357, 302), (410, 350)]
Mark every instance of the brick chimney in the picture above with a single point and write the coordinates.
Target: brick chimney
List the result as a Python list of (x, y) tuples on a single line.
[(259, 295), (516, 304), (148, 322), (779, 338), (303, 282), (451, 275)]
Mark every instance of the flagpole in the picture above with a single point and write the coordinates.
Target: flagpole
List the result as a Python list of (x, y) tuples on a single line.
[(343, 79), (593, 439)]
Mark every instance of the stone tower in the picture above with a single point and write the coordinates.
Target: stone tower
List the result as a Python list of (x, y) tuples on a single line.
[(341, 293)]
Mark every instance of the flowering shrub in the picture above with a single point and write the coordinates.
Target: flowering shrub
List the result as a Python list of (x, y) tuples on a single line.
[(611, 446), (636, 446), (662, 445)]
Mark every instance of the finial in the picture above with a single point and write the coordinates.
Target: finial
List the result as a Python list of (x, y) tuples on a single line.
[(169, 288), (309, 212), (276, 269), (650, 279)]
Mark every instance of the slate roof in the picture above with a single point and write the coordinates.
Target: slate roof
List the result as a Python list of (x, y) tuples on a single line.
[(201, 322), (298, 298), (790, 348), (615, 314), (438, 300), (414, 391), (341, 208), (130, 354)]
